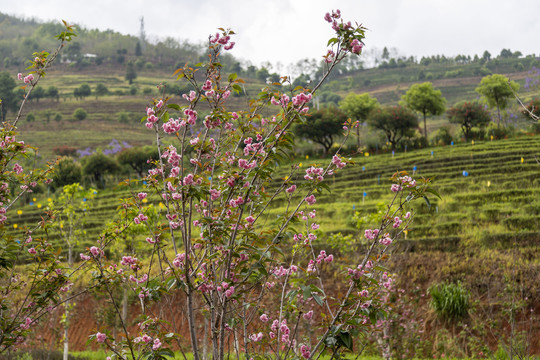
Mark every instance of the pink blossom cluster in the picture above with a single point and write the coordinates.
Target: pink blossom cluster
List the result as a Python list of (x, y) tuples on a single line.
[(28, 79), (323, 257), (244, 164), (130, 261), (336, 160), (301, 99), (140, 218), (223, 40), (371, 234), (308, 315), (310, 199), (101, 337), (282, 101), (256, 337), (291, 189), (407, 181), (173, 125), (314, 172), (386, 240), (179, 260), (306, 351), (96, 252), (192, 96)]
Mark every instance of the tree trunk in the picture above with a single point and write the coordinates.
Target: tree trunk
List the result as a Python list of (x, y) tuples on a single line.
[(498, 113), (358, 134), (425, 127)]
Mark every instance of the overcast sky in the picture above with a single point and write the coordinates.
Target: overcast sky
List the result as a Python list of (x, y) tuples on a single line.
[(289, 30)]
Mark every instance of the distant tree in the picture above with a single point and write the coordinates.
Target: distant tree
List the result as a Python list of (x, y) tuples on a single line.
[(101, 90), (80, 114), (263, 74), (131, 74), (395, 121), (486, 56), (137, 158), (469, 115), (358, 107), (133, 90), (73, 51), (385, 53), (52, 92), (58, 117), (322, 126), (30, 117), (38, 93), (82, 91), (506, 53), (97, 166), (426, 100), (497, 89), (9, 97), (138, 51), (66, 172)]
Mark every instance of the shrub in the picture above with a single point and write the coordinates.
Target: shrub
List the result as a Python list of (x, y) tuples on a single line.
[(80, 114), (450, 301)]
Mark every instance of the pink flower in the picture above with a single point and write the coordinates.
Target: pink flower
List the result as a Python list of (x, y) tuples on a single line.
[(264, 318), (308, 315), (100, 337), (17, 168), (141, 195), (395, 188), (310, 199), (95, 251), (19, 76), (291, 189), (32, 251)]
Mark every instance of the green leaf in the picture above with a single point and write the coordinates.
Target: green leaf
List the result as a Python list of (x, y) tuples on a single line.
[(317, 299), (332, 41), (174, 106), (431, 191), (345, 339), (427, 201), (232, 77)]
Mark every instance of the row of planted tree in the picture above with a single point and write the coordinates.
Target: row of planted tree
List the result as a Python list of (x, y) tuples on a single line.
[(400, 123)]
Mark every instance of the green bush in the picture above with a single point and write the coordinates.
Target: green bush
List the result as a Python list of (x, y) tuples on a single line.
[(450, 301), (80, 114)]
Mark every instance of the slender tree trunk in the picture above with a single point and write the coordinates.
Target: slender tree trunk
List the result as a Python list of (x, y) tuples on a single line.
[(498, 113), (425, 127), (358, 134), (66, 328)]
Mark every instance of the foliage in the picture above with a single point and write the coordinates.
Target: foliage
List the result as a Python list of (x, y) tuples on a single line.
[(138, 158), (323, 126), (82, 91), (66, 172), (29, 293), (395, 121), (358, 107), (496, 89), (97, 166), (8, 96), (426, 100), (131, 73), (443, 136), (101, 90), (80, 114), (450, 301), (469, 115)]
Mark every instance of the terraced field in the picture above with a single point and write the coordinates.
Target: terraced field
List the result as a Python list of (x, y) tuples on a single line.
[(495, 204)]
